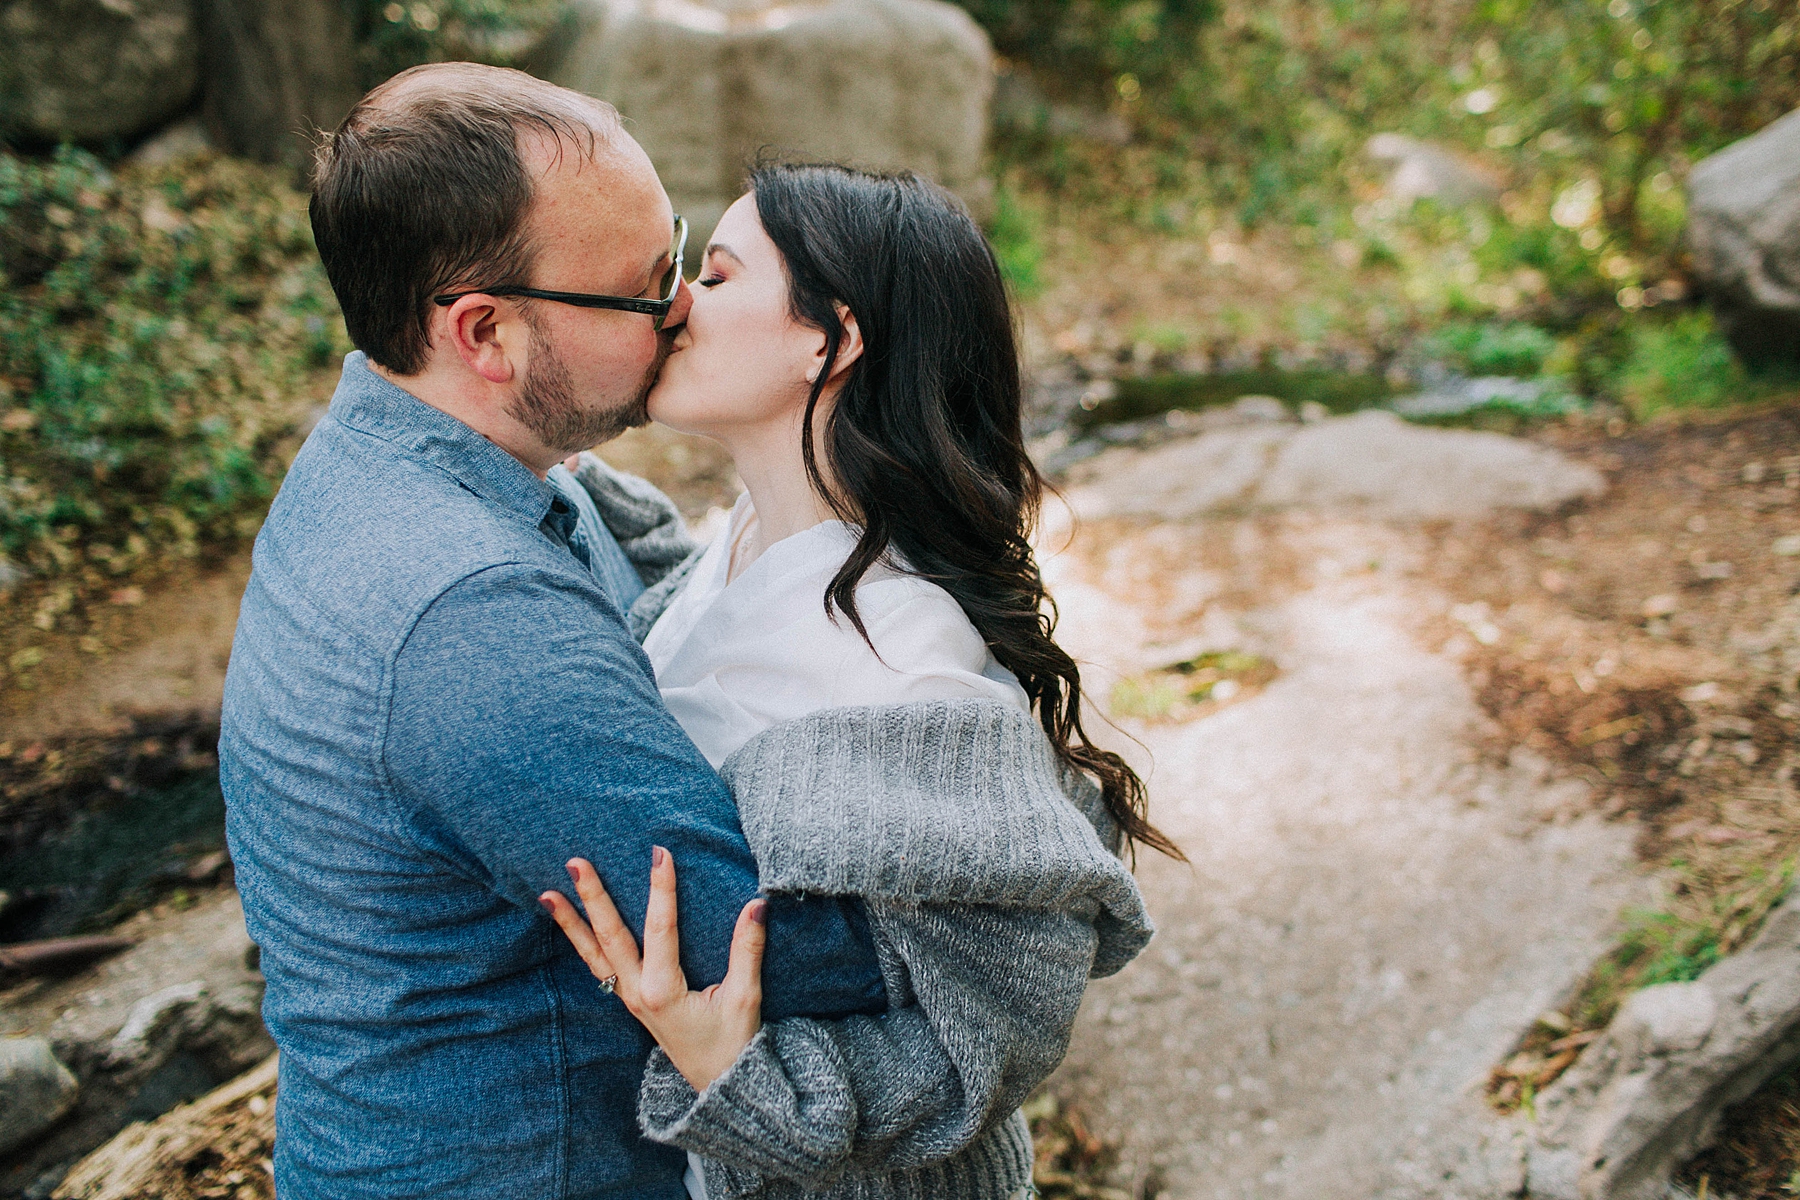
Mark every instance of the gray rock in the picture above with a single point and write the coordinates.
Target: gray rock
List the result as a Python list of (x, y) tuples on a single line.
[(182, 140), (1370, 461), (36, 1090), (1648, 1094), (1420, 170), (1744, 237), (149, 1028), (89, 70), (1466, 395), (889, 84)]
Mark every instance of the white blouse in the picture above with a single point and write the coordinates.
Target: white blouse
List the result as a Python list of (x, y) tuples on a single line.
[(734, 657)]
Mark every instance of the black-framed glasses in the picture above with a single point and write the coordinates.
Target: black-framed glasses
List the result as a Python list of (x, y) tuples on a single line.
[(671, 284)]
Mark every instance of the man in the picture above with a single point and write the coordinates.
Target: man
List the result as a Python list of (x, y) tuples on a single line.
[(433, 702)]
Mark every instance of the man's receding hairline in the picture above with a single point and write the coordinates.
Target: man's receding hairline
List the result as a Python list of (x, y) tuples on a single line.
[(537, 109)]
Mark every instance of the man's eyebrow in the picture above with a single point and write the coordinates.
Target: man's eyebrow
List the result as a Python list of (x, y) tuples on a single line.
[(722, 248)]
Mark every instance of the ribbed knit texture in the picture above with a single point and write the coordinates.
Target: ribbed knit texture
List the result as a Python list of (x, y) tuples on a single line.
[(992, 899)]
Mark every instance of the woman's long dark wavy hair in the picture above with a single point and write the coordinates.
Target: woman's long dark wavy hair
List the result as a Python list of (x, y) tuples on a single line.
[(924, 443)]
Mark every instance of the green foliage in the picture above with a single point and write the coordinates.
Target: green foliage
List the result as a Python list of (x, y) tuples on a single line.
[(1684, 362), (1015, 233), (505, 33), (1586, 113), (1492, 347), (156, 330)]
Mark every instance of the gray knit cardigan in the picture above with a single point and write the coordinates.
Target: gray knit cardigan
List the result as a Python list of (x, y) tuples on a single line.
[(991, 879)]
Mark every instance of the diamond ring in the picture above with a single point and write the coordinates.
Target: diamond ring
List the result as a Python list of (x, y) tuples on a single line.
[(609, 983)]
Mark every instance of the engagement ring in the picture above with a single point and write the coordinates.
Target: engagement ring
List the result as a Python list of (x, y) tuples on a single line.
[(607, 984)]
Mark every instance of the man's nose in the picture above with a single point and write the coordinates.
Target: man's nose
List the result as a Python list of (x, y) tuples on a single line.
[(678, 310)]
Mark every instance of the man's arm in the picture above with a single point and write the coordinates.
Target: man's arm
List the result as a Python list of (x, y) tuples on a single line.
[(525, 726)]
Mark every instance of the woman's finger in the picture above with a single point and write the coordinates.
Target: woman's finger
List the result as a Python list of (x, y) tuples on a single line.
[(610, 931), (743, 980), (579, 933), (662, 980)]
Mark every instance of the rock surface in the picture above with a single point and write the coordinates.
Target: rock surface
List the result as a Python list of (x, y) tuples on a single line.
[(1648, 1094), (158, 1025), (1370, 461), (276, 72), (36, 1091), (89, 70), (1744, 235), (888, 84), (1420, 170)]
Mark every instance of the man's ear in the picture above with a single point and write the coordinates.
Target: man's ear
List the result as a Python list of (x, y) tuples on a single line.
[(485, 340), (850, 348)]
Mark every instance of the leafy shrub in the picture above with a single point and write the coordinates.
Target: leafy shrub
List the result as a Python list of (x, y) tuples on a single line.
[(157, 328), (1493, 348), (1679, 363)]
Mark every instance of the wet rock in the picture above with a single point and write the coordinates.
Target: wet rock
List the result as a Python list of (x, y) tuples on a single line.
[(1647, 1096), (893, 84), (89, 70), (1744, 236), (1420, 170), (36, 1091)]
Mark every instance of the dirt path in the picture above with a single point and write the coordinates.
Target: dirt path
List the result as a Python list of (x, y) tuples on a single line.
[(1374, 912)]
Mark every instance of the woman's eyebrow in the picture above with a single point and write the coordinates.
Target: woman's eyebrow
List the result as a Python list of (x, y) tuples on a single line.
[(722, 248)]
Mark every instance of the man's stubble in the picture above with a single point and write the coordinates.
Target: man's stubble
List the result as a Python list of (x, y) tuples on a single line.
[(548, 406)]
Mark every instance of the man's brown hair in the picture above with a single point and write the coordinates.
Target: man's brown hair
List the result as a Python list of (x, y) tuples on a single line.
[(424, 190)]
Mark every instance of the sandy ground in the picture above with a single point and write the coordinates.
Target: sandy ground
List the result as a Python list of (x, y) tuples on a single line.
[(1375, 910)]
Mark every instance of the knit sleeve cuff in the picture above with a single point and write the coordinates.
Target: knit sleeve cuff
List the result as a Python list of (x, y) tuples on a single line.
[(754, 1117)]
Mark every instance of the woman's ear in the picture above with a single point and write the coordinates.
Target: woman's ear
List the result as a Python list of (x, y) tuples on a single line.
[(850, 348)]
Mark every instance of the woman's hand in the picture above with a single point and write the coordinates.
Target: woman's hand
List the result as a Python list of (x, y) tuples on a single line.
[(701, 1032)]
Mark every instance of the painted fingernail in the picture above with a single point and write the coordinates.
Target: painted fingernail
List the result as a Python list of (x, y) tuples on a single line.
[(760, 912), (658, 856), (544, 903), (573, 873)]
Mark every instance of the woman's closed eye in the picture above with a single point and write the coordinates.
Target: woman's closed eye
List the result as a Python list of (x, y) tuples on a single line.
[(710, 281)]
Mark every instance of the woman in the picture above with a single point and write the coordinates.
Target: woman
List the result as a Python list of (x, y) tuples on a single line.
[(862, 651)]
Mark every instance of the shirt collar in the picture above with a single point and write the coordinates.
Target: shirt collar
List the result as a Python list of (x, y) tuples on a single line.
[(368, 403)]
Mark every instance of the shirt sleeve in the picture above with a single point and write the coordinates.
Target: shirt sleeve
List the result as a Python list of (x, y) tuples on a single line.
[(525, 729), (924, 649)]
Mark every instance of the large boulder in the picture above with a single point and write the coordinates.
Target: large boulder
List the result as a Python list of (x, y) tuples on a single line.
[(704, 87), (93, 70), (1744, 236), (1648, 1095)]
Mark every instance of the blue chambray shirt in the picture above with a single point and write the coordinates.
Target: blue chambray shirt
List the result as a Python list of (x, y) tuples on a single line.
[(432, 704)]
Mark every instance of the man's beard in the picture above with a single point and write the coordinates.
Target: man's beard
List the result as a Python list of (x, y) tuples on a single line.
[(547, 404)]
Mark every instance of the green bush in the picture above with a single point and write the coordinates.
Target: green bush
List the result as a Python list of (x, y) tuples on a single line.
[(1492, 347), (1679, 363), (157, 331)]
